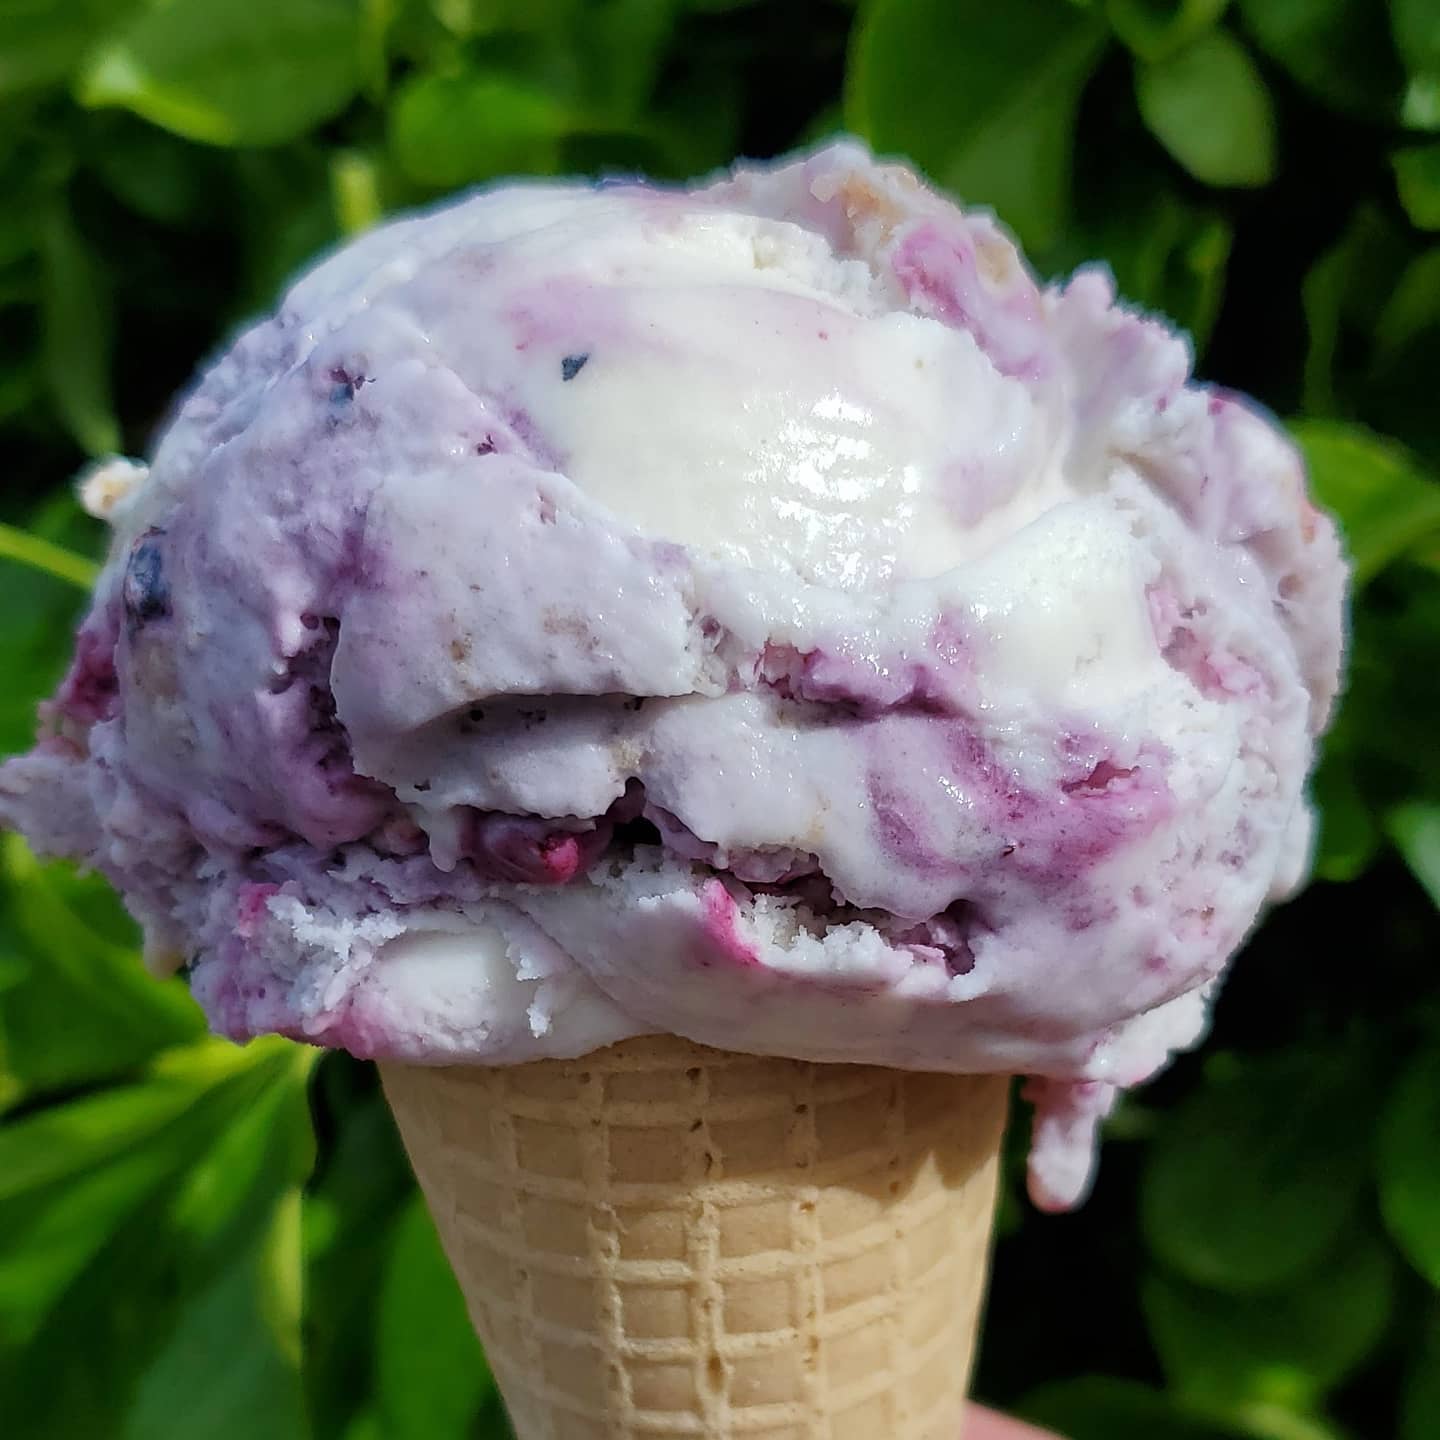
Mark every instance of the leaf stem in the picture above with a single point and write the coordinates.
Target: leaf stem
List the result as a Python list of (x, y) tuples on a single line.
[(44, 555)]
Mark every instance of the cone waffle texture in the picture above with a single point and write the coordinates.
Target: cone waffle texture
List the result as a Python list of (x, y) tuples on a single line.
[(662, 1240)]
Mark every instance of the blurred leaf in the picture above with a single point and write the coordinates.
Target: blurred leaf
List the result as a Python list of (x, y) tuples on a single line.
[(695, 125), (1420, 1406), (1254, 1176), (29, 195), (1224, 1353), (37, 613), (1154, 29), (226, 1374), (1385, 502), (77, 335), (227, 1196), (117, 1015), (363, 1183), (156, 174), (1409, 1164), (18, 286), (1417, 177), (1209, 107), (1415, 829), (1413, 306), (451, 130), (1340, 50), (376, 19), (1279, 1422), (70, 1176), (41, 41), (1349, 831), (1098, 1407), (1420, 108), (118, 1319), (620, 43), (1342, 292), (1416, 24), (289, 219), (78, 1372), (1387, 723), (231, 72), (39, 554), (431, 1374), (981, 96), (1396, 396), (1168, 255), (356, 185)]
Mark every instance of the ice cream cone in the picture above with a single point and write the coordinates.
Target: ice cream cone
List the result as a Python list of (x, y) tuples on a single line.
[(663, 1240)]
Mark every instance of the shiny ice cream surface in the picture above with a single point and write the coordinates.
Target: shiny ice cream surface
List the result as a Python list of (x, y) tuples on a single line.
[(760, 612)]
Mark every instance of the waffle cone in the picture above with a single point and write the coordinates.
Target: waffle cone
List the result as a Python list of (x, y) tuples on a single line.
[(663, 1240)]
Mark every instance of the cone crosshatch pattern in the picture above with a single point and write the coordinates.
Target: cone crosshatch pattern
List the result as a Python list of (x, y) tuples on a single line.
[(663, 1240)]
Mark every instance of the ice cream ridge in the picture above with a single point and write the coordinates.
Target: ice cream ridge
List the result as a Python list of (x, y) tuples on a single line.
[(759, 613)]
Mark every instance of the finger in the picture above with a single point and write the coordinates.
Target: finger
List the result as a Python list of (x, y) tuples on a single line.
[(982, 1424)]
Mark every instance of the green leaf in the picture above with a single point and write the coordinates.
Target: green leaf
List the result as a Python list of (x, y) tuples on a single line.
[(981, 96), (1420, 107), (1415, 829), (1420, 1406), (1340, 50), (76, 344), (432, 1376), (1409, 1164), (1153, 29), (1417, 177), (450, 130), (117, 1015), (1349, 832), (1385, 502), (1342, 292), (30, 185), (38, 612), (1413, 305), (377, 18), (355, 182), (363, 1184), (1387, 722), (113, 1326), (1209, 106), (228, 1195), (620, 44), (26, 549), (20, 385), (1416, 24), (77, 1373), (695, 127), (1098, 1407), (155, 174), (42, 41), (1224, 1353), (231, 72), (1279, 1422), (226, 1373), (72, 1175), (290, 217), (1252, 1179), (1168, 255)]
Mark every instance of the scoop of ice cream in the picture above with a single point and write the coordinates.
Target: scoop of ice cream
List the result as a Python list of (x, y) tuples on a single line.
[(759, 612)]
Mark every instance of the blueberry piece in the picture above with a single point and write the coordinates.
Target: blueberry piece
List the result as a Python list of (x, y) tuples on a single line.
[(572, 365), (147, 593)]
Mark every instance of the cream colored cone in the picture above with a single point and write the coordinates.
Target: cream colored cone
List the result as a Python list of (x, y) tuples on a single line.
[(662, 1240)]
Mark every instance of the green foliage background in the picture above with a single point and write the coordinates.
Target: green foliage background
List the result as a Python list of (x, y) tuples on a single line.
[(200, 1240)]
